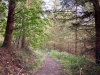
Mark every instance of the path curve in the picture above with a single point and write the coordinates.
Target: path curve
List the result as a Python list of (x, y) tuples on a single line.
[(50, 67)]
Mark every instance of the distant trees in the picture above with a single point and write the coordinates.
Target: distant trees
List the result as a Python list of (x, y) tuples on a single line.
[(96, 5)]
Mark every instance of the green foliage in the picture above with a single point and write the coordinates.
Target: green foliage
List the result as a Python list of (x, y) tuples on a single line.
[(3, 12), (17, 0), (2, 26), (72, 64), (28, 23), (2, 7)]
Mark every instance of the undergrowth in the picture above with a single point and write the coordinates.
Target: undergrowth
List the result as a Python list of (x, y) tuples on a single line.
[(32, 60), (1, 43), (74, 65)]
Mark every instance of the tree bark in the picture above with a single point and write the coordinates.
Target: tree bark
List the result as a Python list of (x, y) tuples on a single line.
[(97, 28), (10, 24), (23, 44)]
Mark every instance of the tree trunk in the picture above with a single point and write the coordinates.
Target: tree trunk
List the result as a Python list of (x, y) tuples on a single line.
[(23, 44), (97, 27), (10, 24), (23, 41)]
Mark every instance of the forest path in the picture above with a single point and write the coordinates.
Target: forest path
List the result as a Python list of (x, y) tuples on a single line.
[(50, 67)]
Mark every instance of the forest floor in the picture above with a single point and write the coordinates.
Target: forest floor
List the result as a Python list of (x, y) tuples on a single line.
[(9, 63), (50, 67), (21, 62)]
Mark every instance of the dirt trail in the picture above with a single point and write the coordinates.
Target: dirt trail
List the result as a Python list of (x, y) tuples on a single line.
[(50, 67)]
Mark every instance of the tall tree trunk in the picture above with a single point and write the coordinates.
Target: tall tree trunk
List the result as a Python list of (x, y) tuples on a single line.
[(23, 41), (97, 27), (10, 24), (23, 38)]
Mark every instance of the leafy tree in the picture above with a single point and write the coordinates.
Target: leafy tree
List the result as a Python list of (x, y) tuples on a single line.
[(30, 28), (26, 22)]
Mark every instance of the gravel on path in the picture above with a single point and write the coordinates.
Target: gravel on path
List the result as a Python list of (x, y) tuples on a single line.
[(50, 67)]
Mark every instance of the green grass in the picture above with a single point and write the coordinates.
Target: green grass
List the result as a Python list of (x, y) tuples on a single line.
[(74, 65)]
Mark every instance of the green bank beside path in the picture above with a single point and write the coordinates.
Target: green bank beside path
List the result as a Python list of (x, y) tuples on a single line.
[(74, 65)]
